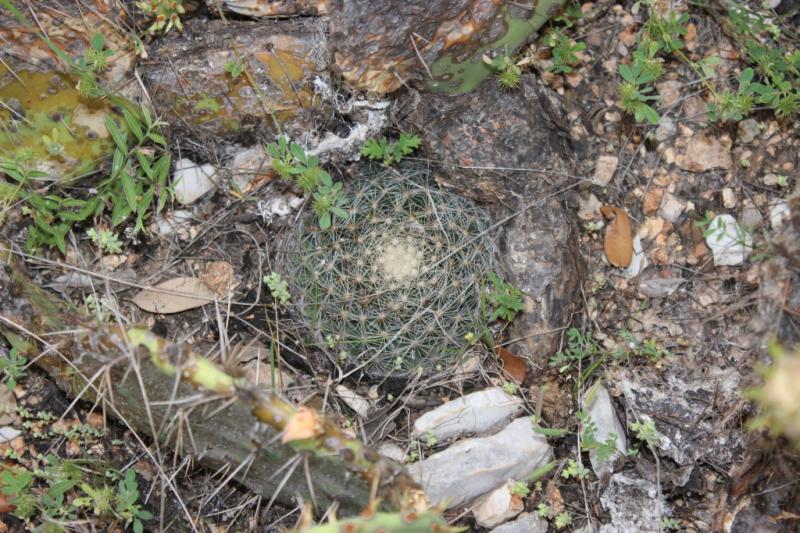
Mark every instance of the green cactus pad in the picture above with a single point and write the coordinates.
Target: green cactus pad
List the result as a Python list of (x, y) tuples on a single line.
[(396, 287), (457, 77)]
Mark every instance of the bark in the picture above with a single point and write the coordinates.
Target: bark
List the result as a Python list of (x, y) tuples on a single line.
[(227, 423)]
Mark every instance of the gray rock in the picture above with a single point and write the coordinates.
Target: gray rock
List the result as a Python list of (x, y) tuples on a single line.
[(634, 504), (392, 451), (748, 130), (478, 412), (597, 403), (684, 415), (191, 181), (659, 287), (497, 507), (751, 216), (666, 129), (473, 467), (671, 207), (604, 169), (526, 523), (639, 260)]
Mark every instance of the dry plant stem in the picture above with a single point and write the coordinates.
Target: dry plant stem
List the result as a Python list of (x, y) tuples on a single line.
[(241, 424)]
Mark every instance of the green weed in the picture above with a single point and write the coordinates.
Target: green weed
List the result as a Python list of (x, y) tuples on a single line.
[(391, 152), (505, 299)]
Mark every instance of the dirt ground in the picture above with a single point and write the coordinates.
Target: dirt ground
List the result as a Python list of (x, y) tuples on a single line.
[(678, 339)]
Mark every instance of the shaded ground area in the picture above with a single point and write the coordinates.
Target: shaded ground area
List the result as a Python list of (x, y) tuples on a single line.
[(660, 352)]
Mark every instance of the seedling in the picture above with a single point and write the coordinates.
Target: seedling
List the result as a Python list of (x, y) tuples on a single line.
[(391, 152)]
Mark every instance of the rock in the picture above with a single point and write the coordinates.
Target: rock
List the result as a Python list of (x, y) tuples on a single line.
[(354, 401), (604, 169), (695, 110), (729, 243), (278, 206), (473, 467), (700, 153), (597, 404), (250, 165), (497, 507), (729, 199), (666, 129), (191, 181), (7, 434), (659, 287), (525, 523), (589, 208), (688, 424), (173, 222), (477, 132), (778, 214), (669, 91), (671, 207), (748, 130), (383, 46), (751, 215), (771, 180), (638, 261), (192, 90), (479, 412), (652, 200), (634, 504), (392, 451)]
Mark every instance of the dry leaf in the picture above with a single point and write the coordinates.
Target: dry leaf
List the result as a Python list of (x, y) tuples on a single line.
[(305, 424), (513, 366), (174, 295), (618, 244)]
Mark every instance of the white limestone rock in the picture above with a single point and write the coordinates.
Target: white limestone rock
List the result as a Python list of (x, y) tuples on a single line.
[(598, 406), (473, 467), (478, 412)]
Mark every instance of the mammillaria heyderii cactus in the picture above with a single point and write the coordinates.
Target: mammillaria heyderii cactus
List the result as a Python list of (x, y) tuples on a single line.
[(397, 286)]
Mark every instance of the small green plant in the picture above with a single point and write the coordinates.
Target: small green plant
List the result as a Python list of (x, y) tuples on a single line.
[(123, 503), (563, 519), (167, 14), (13, 367), (635, 92), (589, 442), (290, 161), (234, 68), (393, 152), (646, 432), (543, 510), (94, 61), (506, 71), (505, 299), (430, 439), (670, 524), (630, 346), (279, 288), (106, 240), (574, 470), (509, 387), (520, 489), (565, 53), (580, 346)]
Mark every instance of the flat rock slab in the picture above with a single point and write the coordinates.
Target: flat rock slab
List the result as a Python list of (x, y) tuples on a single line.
[(478, 412), (635, 504), (597, 402), (191, 88), (473, 467), (526, 523)]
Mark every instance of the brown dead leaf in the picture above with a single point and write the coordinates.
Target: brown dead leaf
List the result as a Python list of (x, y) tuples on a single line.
[(5, 504), (174, 295), (618, 244), (514, 366), (305, 424), (554, 497)]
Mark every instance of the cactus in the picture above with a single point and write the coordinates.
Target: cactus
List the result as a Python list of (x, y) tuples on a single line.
[(410, 522), (397, 286), (455, 76)]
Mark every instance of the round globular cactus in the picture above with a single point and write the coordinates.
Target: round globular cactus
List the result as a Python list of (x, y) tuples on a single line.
[(396, 287)]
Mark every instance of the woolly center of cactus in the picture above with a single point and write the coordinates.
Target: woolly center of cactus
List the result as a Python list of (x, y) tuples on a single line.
[(399, 261)]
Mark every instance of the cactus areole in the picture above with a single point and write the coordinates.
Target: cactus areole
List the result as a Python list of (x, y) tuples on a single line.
[(394, 290)]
